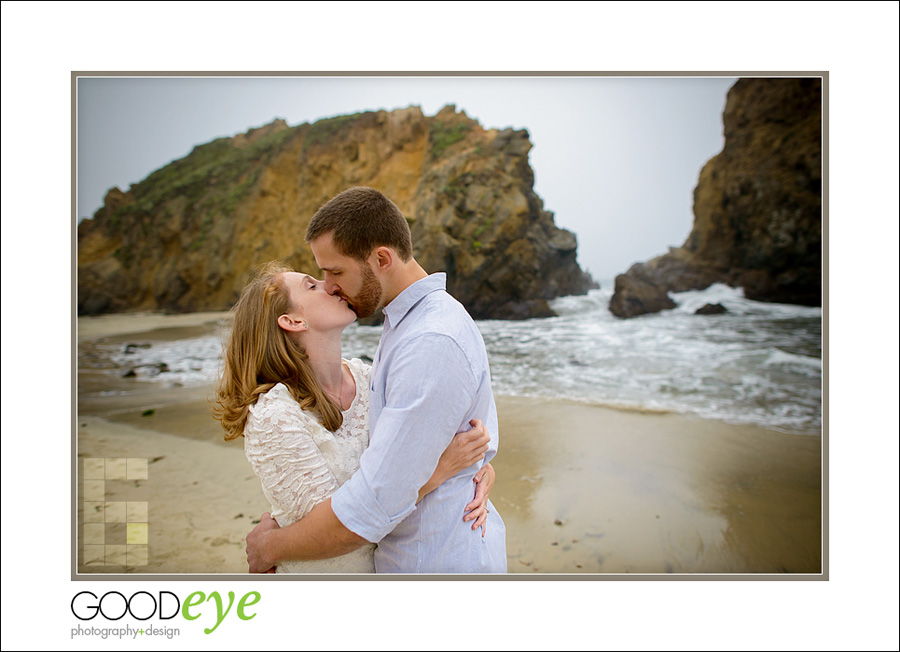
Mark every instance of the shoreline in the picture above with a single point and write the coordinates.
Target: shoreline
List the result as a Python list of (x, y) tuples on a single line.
[(100, 336), (583, 489)]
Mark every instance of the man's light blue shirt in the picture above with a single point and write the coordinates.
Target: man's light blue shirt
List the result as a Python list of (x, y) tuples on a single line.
[(429, 378)]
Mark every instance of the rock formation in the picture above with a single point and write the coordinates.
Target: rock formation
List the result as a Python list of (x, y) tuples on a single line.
[(757, 206), (711, 309), (187, 237)]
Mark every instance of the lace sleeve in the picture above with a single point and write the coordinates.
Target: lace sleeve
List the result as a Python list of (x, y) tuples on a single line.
[(282, 444)]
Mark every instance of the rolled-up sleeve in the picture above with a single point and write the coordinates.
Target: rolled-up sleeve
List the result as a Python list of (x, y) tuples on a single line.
[(430, 384)]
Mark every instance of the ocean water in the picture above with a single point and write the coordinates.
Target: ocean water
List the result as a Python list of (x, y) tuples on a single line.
[(758, 363)]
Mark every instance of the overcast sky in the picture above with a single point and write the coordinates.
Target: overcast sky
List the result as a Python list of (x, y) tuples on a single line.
[(616, 159)]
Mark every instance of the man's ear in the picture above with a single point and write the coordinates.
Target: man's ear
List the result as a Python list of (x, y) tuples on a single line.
[(382, 259), (291, 325)]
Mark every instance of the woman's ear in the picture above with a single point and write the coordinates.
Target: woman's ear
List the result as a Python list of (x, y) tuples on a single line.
[(290, 324)]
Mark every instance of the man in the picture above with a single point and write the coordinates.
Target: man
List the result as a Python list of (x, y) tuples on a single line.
[(430, 377)]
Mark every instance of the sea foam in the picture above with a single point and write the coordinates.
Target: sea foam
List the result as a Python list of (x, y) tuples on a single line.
[(758, 363)]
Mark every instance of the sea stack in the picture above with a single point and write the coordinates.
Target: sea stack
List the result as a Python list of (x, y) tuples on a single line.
[(186, 238), (757, 206)]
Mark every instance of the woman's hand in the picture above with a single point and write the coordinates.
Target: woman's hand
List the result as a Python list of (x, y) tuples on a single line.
[(464, 450), (478, 510)]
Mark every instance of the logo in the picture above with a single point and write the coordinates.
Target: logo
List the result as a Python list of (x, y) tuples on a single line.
[(142, 606)]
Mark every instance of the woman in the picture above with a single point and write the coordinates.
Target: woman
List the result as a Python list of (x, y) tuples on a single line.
[(303, 410)]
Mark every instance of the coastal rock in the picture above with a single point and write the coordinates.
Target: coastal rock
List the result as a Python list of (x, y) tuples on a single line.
[(757, 206), (188, 236), (711, 309), (636, 294), (152, 369)]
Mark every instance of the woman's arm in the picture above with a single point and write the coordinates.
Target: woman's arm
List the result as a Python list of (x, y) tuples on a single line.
[(279, 445), (464, 450)]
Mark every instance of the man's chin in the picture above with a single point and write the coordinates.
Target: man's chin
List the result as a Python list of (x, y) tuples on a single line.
[(362, 313)]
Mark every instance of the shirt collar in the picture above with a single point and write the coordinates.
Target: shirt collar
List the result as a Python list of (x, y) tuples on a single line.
[(397, 309)]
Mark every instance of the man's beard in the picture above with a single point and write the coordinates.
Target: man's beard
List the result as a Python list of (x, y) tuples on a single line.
[(368, 300)]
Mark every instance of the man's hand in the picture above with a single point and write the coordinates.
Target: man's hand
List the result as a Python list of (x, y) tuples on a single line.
[(256, 540)]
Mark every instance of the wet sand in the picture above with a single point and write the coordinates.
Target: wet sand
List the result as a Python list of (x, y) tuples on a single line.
[(592, 490), (583, 489)]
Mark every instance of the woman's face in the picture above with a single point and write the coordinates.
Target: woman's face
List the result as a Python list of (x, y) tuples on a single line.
[(311, 303)]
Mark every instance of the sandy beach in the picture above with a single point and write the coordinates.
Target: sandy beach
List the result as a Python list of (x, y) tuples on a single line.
[(583, 489)]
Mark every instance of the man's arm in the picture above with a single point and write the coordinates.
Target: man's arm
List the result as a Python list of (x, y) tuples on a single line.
[(318, 535)]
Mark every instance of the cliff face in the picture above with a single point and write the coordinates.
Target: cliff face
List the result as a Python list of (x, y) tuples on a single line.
[(187, 237), (757, 206)]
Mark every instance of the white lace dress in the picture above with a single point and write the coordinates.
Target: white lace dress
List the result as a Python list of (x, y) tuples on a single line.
[(300, 463)]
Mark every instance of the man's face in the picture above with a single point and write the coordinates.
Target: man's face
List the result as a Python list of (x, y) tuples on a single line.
[(352, 280)]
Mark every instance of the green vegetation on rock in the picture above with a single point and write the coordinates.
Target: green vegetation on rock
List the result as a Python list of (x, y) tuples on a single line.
[(324, 130), (442, 135), (217, 164), (456, 187)]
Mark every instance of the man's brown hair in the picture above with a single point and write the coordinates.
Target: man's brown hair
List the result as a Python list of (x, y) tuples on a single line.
[(361, 219)]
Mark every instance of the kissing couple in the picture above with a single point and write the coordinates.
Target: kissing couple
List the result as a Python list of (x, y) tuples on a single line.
[(368, 469)]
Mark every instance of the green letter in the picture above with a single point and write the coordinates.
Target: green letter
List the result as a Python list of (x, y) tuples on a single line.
[(244, 603), (219, 615), (192, 603)]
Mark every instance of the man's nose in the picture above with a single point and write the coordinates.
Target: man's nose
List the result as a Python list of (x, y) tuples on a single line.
[(330, 286)]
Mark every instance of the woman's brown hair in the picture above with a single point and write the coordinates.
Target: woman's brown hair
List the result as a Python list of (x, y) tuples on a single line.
[(259, 355)]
